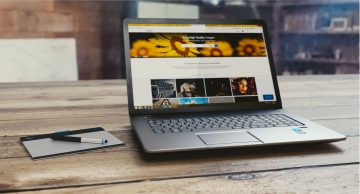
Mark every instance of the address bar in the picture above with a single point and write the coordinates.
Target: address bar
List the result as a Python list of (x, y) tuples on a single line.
[(199, 45)]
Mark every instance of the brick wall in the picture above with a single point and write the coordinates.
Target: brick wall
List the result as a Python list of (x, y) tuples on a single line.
[(54, 18)]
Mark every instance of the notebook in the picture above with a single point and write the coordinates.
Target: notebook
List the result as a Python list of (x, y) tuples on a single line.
[(42, 146)]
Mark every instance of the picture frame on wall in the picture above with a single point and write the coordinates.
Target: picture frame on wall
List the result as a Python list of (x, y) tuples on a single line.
[(339, 24)]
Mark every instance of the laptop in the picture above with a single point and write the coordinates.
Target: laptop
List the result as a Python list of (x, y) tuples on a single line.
[(208, 84)]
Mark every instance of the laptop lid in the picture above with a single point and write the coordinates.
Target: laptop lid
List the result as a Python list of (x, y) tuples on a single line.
[(182, 65)]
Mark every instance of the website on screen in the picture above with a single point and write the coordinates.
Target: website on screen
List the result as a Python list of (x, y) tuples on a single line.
[(181, 65)]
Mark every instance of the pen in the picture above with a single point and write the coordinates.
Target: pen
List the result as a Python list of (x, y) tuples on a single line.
[(79, 139)]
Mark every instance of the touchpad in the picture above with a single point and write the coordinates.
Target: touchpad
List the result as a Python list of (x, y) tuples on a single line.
[(226, 138)]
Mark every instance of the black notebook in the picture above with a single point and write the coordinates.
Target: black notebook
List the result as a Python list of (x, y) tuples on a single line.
[(41, 146)]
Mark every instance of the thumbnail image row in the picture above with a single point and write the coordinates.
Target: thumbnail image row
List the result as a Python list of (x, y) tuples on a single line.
[(176, 102), (199, 87)]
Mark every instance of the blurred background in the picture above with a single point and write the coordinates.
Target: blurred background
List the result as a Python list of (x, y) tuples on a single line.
[(56, 40)]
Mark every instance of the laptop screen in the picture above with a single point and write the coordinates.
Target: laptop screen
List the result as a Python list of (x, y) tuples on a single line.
[(189, 65)]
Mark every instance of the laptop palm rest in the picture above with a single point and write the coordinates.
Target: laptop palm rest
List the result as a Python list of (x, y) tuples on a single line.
[(228, 138)]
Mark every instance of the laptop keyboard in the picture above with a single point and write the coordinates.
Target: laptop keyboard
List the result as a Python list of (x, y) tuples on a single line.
[(221, 123)]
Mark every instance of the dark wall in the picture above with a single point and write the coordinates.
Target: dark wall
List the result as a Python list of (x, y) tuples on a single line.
[(113, 13)]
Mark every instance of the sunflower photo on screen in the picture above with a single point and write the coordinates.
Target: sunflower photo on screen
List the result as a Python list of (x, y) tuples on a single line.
[(222, 49), (170, 45), (251, 47), (142, 48), (175, 45)]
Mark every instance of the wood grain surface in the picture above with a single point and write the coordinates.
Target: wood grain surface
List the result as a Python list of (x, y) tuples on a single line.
[(35, 108)]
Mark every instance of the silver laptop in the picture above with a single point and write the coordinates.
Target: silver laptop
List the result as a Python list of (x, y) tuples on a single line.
[(205, 84)]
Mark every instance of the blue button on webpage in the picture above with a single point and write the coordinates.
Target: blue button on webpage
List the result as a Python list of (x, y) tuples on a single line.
[(268, 97)]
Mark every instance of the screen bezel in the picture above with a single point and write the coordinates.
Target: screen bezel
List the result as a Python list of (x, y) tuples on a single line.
[(212, 107)]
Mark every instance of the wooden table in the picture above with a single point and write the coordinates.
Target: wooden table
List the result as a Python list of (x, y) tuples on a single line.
[(35, 108)]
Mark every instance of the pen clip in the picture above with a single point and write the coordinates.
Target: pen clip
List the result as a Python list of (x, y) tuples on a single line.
[(60, 132)]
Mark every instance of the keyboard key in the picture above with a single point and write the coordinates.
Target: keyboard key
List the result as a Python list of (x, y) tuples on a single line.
[(221, 123)]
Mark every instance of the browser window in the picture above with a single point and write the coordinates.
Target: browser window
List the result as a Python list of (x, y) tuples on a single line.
[(182, 65)]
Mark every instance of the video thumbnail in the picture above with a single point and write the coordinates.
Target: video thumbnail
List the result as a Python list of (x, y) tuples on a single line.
[(221, 100), (194, 101), (243, 86), (190, 87), (163, 88), (247, 99), (165, 103), (218, 87)]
